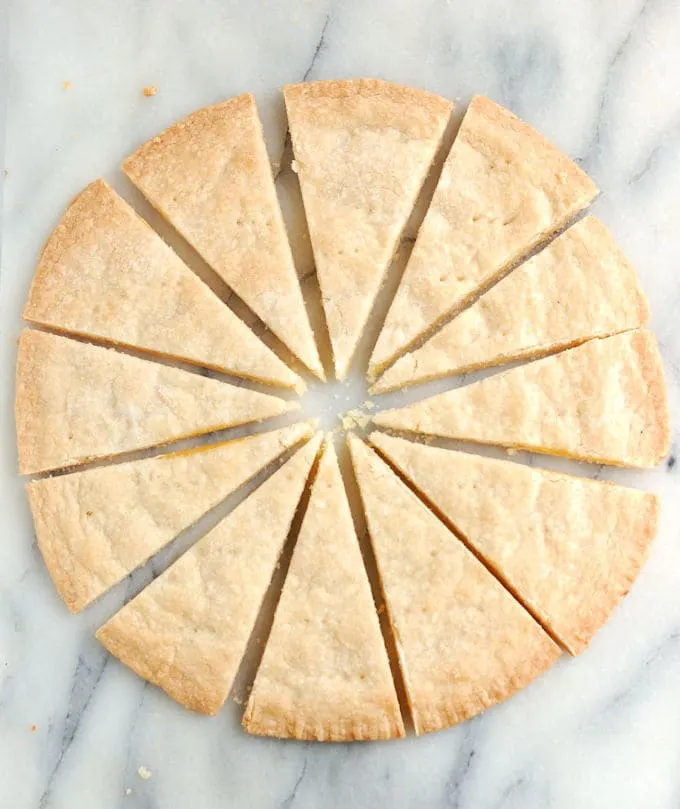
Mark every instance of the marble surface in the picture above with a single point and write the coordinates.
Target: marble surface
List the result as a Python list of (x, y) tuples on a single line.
[(599, 78)]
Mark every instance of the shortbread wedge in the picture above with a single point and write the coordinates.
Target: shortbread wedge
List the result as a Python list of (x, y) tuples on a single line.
[(464, 643), (96, 526), (105, 274), (579, 287), (363, 148), (188, 630), (325, 674), (569, 548), (76, 402), (603, 401), (209, 175), (503, 190)]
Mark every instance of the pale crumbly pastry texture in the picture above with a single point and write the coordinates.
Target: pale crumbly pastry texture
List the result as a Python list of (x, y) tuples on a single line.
[(188, 630), (96, 526), (76, 402), (363, 148), (603, 401), (503, 190), (579, 287), (209, 176), (570, 548), (325, 674), (464, 643), (104, 273), (488, 568)]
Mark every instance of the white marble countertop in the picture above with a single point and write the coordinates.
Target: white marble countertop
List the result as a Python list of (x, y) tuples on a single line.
[(600, 79)]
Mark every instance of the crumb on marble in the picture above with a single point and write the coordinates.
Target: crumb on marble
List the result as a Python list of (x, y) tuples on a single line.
[(66, 85), (238, 700), (34, 728), (511, 451), (369, 405), (150, 90), (128, 791), (144, 772), (355, 418)]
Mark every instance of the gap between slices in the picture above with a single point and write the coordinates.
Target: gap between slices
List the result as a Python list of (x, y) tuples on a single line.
[(603, 402), (569, 547), (503, 190), (188, 630), (209, 175), (97, 526), (76, 402), (363, 148), (105, 274), (464, 643), (579, 287), (325, 674), (358, 512)]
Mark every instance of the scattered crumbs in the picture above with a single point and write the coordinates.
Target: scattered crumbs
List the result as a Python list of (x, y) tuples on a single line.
[(128, 791), (369, 405), (237, 700), (150, 90), (66, 85), (355, 418), (34, 728), (512, 451), (144, 773), (294, 166)]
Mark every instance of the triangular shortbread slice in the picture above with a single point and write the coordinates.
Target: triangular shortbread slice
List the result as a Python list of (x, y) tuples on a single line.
[(209, 175), (503, 190), (76, 402), (363, 148), (104, 273), (96, 526), (603, 402), (570, 548), (188, 630), (464, 643), (325, 673), (581, 286)]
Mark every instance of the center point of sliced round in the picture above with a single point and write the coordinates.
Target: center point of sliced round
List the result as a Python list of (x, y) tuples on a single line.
[(338, 404)]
